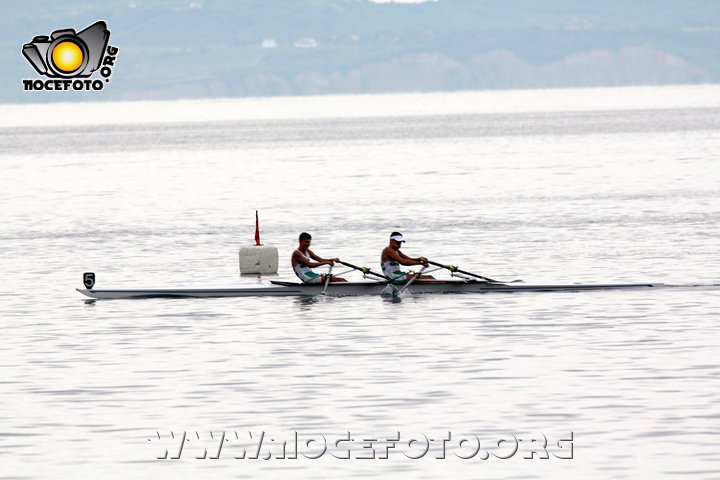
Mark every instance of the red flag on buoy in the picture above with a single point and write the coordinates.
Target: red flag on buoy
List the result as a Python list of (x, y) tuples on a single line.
[(257, 229)]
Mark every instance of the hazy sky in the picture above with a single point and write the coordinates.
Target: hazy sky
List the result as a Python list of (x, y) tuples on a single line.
[(360, 48), (403, 1)]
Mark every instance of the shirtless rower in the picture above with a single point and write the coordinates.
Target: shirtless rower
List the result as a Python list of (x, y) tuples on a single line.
[(391, 259), (302, 262)]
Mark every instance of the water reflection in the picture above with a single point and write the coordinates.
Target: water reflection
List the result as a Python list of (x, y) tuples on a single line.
[(559, 208)]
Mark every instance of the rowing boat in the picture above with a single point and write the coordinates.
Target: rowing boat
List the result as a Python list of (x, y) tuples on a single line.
[(278, 288)]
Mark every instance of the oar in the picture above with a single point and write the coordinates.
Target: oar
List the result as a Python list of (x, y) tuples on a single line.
[(327, 278), (364, 270), (456, 269), (417, 275)]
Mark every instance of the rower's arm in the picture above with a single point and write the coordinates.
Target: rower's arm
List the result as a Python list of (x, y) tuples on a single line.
[(315, 257), (401, 258), (326, 261), (419, 260), (404, 256), (301, 259)]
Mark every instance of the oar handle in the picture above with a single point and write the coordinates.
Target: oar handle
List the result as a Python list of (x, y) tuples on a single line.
[(452, 268), (363, 270), (449, 267)]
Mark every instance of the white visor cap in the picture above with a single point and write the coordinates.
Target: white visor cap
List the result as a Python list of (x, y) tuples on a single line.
[(397, 238)]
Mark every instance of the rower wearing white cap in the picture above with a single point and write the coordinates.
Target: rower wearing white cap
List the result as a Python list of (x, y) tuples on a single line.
[(391, 259)]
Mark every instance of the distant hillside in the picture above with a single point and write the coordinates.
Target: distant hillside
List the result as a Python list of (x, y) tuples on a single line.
[(184, 49)]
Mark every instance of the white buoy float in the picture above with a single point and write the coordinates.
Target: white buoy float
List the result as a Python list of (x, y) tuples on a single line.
[(258, 258)]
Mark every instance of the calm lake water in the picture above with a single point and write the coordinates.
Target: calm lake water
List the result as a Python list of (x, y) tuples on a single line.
[(593, 185)]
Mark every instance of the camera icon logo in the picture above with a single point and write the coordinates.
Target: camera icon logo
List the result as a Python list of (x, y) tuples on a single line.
[(68, 54)]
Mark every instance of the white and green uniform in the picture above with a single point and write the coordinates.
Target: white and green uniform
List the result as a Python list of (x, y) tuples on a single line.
[(391, 269), (305, 273)]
